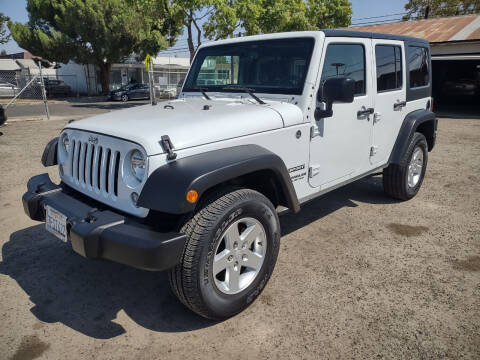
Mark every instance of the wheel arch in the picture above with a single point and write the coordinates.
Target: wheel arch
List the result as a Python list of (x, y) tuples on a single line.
[(249, 166), (422, 121)]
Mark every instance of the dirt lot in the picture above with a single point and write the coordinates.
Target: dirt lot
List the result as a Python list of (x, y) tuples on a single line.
[(358, 276)]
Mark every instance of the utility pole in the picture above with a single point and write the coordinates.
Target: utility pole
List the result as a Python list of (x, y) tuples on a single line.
[(44, 93), (152, 82)]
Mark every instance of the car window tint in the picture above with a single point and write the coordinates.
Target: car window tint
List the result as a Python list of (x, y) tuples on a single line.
[(419, 66), (389, 67), (346, 60)]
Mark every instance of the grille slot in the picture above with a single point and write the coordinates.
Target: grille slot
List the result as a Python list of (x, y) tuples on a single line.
[(117, 168)]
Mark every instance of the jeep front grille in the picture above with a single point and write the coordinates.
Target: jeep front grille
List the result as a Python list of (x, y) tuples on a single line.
[(95, 166)]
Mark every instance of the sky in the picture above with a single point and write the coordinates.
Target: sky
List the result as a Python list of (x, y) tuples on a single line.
[(16, 10)]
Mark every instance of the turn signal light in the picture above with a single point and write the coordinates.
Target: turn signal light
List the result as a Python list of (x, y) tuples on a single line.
[(192, 196)]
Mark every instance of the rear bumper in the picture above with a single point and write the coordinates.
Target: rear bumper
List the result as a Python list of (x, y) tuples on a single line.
[(97, 234)]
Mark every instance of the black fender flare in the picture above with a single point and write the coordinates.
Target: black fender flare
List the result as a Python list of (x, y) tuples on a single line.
[(409, 126), (166, 188), (49, 156)]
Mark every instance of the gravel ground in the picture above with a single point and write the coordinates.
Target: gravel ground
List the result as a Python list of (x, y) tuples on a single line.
[(358, 276)]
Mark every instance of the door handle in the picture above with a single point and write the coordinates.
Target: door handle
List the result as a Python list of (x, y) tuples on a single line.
[(366, 112), (399, 104)]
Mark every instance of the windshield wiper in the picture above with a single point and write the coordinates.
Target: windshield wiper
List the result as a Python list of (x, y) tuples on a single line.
[(202, 90), (249, 91)]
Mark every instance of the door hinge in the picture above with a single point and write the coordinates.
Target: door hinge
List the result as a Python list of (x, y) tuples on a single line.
[(373, 150), (377, 117), (314, 132), (313, 171)]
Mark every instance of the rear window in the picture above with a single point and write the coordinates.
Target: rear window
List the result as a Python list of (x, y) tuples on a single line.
[(418, 65), (389, 67)]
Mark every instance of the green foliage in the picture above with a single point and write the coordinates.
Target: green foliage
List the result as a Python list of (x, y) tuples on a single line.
[(4, 35), (269, 16), (92, 31), (440, 8), (219, 19)]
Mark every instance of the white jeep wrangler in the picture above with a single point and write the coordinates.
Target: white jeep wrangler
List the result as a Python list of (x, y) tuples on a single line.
[(263, 123)]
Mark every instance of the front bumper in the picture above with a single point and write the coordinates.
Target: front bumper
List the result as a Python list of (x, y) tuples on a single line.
[(105, 234)]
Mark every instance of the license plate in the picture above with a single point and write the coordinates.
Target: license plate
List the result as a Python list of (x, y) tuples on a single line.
[(56, 223)]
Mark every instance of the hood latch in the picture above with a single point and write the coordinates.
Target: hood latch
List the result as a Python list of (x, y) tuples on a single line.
[(168, 147)]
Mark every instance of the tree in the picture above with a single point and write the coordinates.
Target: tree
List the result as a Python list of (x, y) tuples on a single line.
[(3, 52), (437, 8), (4, 36), (220, 19), (92, 32)]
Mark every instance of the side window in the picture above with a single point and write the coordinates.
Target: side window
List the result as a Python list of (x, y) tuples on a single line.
[(418, 65), (389, 67), (346, 60)]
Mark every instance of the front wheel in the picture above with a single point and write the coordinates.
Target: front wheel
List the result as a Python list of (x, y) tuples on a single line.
[(125, 98), (231, 251), (403, 181)]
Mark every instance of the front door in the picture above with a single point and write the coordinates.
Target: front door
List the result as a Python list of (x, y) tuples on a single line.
[(390, 97), (340, 147)]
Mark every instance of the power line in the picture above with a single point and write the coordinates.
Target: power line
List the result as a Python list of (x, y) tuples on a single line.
[(466, 12), (380, 16)]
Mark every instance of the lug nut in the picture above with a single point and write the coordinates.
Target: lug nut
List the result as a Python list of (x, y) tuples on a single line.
[(235, 245), (230, 258), (244, 257)]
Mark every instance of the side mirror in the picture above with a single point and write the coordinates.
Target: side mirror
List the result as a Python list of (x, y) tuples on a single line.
[(334, 90)]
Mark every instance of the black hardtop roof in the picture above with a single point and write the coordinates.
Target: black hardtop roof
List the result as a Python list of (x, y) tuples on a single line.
[(372, 35)]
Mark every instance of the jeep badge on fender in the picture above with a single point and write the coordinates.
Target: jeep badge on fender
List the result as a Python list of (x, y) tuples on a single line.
[(195, 187)]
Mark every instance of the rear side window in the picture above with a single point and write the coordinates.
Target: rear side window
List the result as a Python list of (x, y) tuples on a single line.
[(346, 60), (419, 66), (389, 67)]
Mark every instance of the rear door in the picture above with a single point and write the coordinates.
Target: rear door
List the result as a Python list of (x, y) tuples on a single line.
[(340, 146), (389, 98)]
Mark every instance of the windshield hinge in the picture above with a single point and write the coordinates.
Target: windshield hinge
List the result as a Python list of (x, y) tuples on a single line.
[(168, 147), (314, 132)]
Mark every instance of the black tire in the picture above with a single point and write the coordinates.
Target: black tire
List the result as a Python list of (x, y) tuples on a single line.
[(124, 98), (192, 280), (395, 176)]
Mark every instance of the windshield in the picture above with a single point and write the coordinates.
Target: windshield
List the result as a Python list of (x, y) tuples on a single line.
[(266, 66)]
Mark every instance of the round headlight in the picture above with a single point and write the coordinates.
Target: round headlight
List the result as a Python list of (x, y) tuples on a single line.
[(137, 160), (65, 142)]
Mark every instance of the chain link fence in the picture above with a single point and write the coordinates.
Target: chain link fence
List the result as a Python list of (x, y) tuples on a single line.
[(39, 94), (56, 86), (167, 84)]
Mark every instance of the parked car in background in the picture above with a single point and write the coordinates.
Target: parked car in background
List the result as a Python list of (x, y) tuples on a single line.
[(8, 90), (461, 87), (56, 88), (130, 92)]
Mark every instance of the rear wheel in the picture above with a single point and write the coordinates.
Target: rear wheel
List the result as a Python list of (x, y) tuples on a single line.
[(403, 181), (231, 251)]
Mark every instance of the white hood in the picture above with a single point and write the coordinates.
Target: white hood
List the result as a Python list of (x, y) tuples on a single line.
[(188, 124)]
